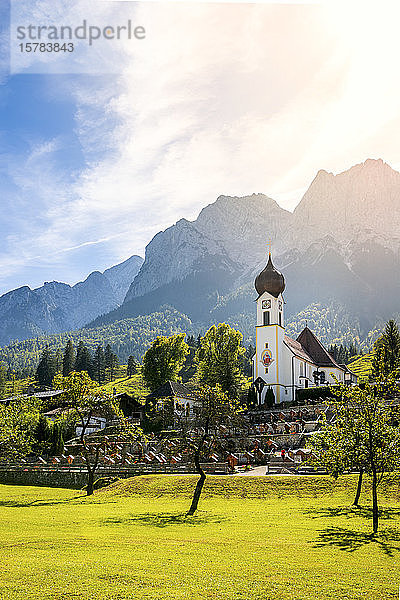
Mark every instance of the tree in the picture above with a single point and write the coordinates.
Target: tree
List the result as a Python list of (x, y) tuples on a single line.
[(132, 366), (42, 435), (68, 359), (57, 438), (99, 364), (18, 421), (248, 361), (269, 398), (3, 380), (111, 361), (84, 399), (364, 434), (46, 369), (219, 359), (387, 350), (199, 433), (164, 359), (83, 360)]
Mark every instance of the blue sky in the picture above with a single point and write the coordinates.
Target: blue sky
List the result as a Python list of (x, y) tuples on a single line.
[(108, 146)]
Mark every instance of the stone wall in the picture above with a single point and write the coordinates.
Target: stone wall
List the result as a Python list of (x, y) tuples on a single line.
[(77, 479)]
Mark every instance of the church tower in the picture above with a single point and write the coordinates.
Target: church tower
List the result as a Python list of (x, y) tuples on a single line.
[(270, 331)]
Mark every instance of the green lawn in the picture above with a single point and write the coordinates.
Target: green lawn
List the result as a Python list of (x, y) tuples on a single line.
[(253, 538)]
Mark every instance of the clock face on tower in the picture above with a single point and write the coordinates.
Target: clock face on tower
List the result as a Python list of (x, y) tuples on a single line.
[(266, 304)]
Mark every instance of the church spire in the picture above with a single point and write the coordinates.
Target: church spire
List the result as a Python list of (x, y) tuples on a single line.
[(270, 279)]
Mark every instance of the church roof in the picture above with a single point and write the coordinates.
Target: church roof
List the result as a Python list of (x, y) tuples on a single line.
[(313, 347), (297, 349), (270, 280)]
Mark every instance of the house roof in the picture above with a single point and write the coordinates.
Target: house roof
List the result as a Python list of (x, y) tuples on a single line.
[(313, 347), (172, 389)]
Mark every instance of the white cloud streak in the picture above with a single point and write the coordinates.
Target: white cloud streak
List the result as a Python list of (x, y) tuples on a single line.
[(219, 99)]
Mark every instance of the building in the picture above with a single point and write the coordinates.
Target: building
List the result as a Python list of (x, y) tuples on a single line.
[(182, 397), (280, 362)]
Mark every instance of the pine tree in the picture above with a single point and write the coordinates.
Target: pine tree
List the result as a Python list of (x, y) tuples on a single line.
[(387, 350), (132, 367), (3, 380), (114, 365), (99, 364), (83, 359), (69, 359), (57, 439), (269, 398), (46, 369)]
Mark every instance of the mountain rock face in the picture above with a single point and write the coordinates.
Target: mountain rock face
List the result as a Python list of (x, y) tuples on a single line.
[(340, 247), (56, 307), (357, 204), (121, 276), (231, 230), (342, 243)]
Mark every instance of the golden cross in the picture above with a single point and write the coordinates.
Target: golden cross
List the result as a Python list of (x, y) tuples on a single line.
[(269, 245)]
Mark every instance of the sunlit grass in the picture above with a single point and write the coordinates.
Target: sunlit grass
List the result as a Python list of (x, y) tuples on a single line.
[(289, 538)]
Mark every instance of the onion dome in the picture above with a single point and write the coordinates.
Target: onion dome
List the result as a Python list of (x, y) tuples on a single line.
[(270, 280)]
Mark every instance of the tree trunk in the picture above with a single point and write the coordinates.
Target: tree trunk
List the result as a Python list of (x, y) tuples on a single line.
[(358, 492), (374, 502), (199, 486), (90, 483)]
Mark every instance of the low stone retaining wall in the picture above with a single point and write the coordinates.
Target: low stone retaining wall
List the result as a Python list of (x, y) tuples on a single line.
[(77, 478)]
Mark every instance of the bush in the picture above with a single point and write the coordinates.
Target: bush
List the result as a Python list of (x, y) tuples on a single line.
[(313, 393)]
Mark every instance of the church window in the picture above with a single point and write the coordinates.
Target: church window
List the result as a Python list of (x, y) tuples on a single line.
[(266, 344), (280, 319), (266, 317), (266, 370), (306, 383)]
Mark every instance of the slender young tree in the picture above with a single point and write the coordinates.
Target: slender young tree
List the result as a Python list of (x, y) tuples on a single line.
[(83, 398), (199, 431), (364, 433)]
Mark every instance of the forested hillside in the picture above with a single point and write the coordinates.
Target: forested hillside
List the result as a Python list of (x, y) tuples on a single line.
[(127, 337)]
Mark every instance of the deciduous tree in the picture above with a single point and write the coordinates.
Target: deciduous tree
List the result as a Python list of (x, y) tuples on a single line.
[(364, 434), (164, 360), (220, 357), (199, 431)]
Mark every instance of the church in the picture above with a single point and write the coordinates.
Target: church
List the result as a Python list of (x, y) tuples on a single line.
[(280, 362)]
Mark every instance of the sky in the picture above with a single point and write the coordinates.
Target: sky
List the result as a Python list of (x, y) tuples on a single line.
[(104, 147)]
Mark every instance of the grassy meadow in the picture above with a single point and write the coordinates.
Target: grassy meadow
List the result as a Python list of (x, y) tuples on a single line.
[(254, 538)]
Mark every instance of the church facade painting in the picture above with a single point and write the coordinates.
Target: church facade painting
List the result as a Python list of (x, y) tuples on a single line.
[(280, 362)]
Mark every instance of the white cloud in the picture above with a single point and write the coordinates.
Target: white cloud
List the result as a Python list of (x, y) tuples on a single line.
[(219, 99)]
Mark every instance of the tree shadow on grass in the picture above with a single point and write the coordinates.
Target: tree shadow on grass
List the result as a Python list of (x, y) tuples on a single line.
[(164, 519), (388, 540), (44, 502), (387, 513)]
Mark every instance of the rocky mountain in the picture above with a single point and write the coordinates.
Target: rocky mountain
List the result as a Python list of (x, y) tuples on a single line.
[(56, 307), (342, 243), (360, 204), (340, 247)]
